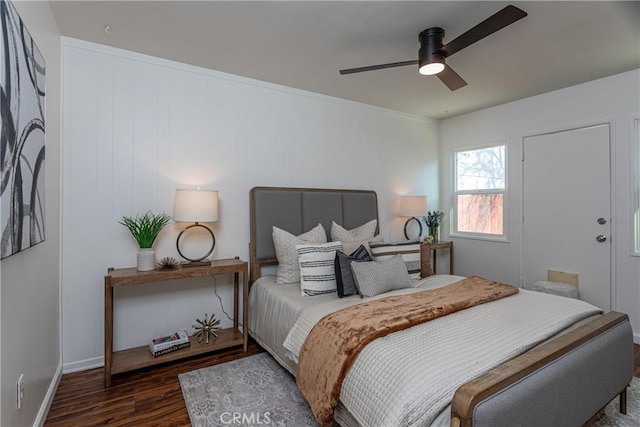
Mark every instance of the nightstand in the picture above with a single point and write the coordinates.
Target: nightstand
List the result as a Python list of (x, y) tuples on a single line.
[(428, 248), (140, 357)]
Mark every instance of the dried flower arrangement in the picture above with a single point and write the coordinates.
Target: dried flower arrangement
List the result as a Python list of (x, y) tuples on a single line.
[(434, 218)]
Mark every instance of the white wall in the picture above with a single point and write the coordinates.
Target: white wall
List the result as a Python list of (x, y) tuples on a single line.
[(136, 127), (613, 100), (30, 286)]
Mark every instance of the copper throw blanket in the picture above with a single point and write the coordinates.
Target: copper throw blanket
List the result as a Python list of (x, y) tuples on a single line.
[(336, 340)]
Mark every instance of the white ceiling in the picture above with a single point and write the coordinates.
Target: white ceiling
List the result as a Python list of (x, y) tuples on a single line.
[(303, 44)]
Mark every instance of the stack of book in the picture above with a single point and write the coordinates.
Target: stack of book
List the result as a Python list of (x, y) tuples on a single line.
[(168, 343)]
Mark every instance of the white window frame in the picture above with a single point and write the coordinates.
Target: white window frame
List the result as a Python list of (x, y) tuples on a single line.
[(635, 188), (454, 232)]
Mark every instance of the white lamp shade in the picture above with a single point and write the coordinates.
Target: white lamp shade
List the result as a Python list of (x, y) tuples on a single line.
[(413, 206), (195, 206)]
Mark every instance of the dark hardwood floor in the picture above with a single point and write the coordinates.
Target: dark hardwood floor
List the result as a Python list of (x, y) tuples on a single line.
[(150, 397)]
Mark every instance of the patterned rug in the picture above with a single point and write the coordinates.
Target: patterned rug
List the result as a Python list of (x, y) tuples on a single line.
[(252, 391), (256, 391)]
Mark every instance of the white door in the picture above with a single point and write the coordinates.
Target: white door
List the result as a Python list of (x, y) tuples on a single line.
[(567, 210)]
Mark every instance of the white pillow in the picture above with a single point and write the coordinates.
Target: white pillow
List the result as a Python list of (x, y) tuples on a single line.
[(352, 239), (317, 268), (350, 247), (365, 231), (285, 245)]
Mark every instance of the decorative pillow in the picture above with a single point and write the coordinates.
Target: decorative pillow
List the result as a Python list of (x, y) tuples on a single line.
[(285, 245), (354, 245), (365, 231), (317, 271), (373, 278), (344, 275), (410, 252)]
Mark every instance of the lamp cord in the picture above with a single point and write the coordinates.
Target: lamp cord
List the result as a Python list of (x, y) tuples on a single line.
[(215, 290)]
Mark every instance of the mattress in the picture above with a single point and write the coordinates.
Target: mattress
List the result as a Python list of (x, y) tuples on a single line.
[(275, 309)]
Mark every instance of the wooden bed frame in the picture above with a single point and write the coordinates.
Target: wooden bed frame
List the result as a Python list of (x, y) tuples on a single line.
[(592, 364)]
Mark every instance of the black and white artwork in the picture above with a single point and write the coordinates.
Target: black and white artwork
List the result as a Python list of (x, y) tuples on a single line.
[(22, 77)]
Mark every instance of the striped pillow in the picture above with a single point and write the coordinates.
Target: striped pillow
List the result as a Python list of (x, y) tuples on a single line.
[(317, 270), (410, 252)]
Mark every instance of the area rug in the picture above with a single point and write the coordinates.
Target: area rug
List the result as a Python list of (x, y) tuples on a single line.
[(256, 391), (252, 391)]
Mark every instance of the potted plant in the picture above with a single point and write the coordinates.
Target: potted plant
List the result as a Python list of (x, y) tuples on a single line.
[(145, 228)]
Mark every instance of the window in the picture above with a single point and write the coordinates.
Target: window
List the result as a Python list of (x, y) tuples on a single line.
[(479, 188), (636, 186)]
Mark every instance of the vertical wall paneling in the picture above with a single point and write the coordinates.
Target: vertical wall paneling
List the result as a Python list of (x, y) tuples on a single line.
[(80, 171), (139, 127), (145, 138)]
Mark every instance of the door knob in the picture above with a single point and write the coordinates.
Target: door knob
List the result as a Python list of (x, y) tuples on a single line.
[(601, 238), (602, 221)]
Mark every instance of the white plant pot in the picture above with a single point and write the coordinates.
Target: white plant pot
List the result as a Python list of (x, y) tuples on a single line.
[(146, 259)]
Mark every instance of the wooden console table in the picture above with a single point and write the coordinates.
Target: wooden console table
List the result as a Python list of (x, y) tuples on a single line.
[(436, 246), (140, 357)]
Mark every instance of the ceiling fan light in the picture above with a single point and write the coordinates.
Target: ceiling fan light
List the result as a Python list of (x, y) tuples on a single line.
[(431, 68)]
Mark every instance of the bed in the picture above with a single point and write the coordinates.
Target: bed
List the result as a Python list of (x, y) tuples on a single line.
[(588, 357)]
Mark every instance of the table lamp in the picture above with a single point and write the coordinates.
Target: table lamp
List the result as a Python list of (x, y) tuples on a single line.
[(412, 207), (196, 206)]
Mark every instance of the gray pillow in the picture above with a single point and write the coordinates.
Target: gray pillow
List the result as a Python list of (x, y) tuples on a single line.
[(285, 246), (373, 278), (346, 284), (410, 252)]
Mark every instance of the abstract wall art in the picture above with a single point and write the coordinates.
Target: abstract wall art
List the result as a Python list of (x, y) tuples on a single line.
[(22, 135)]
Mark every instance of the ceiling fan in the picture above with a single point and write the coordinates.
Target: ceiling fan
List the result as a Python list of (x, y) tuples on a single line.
[(432, 53)]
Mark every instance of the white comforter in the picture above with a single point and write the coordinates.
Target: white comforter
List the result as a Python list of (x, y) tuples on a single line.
[(408, 377)]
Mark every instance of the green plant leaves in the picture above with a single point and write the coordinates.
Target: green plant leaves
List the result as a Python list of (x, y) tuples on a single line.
[(145, 228)]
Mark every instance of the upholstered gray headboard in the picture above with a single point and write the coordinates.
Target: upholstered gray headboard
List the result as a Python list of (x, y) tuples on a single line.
[(298, 210)]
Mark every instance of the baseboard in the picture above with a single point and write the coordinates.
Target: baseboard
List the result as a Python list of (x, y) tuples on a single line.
[(83, 365), (48, 398)]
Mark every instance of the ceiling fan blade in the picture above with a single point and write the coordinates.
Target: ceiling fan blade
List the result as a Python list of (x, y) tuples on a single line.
[(496, 22), (378, 67), (450, 78)]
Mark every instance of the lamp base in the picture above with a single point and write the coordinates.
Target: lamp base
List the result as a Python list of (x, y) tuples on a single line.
[(198, 261), (187, 264), (406, 224)]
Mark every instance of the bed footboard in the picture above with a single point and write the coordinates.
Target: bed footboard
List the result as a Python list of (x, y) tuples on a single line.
[(563, 382)]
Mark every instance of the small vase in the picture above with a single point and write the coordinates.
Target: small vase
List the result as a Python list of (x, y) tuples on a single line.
[(434, 231), (146, 259)]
